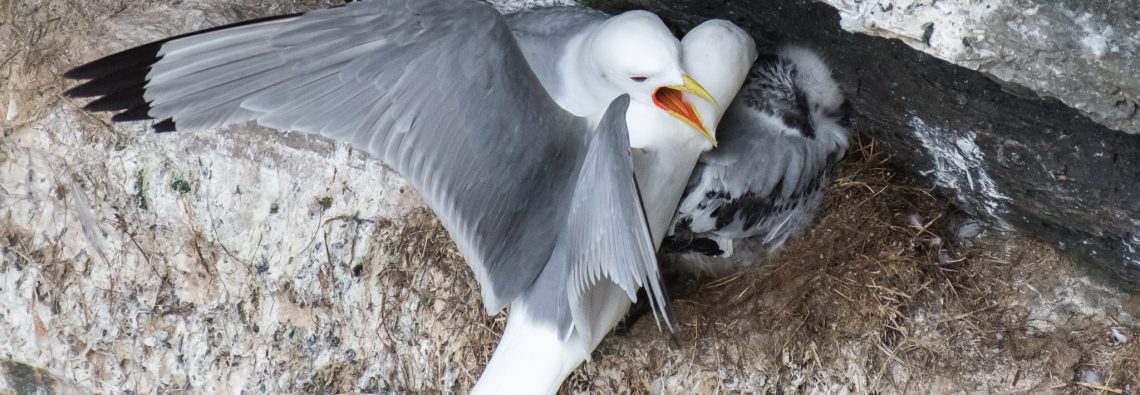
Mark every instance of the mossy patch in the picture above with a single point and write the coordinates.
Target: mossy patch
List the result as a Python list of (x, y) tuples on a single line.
[(181, 186), (324, 203), (140, 189), (26, 379)]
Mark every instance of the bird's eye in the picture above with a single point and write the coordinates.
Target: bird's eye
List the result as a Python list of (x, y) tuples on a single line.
[(638, 78)]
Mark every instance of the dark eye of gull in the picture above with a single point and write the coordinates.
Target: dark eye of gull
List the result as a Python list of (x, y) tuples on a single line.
[(638, 79)]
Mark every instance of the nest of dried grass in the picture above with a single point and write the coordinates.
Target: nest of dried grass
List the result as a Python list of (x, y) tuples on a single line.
[(873, 254), (876, 297), (431, 296)]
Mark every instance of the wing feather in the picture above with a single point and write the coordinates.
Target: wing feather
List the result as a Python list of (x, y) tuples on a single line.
[(606, 238), (480, 138)]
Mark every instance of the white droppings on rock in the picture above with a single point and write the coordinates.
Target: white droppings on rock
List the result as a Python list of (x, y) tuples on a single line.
[(515, 5), (1090, 377), (959, 165), (1118, 336), (13, 109), (936, 26), (1095, 44), (1132, 249), (1096, 38), (185, 222)]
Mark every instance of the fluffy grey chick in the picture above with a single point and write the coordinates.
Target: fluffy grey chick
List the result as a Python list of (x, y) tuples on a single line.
[(779, 141)]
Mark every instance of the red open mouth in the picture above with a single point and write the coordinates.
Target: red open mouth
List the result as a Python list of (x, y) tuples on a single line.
[(673, 102)]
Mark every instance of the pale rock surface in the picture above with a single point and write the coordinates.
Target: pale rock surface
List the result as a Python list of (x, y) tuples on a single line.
[(1085, 53)]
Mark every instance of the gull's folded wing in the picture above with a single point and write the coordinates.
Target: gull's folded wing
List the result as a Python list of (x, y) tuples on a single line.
[(606, 240)]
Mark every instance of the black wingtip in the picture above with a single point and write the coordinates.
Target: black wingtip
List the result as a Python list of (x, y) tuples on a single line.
[(132, 59), (107, 84), (126, 98), (137, 113), (164, 126), (118, 81)]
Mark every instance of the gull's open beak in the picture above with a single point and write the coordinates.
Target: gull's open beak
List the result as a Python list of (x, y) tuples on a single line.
[(671, 99), (693, 87)]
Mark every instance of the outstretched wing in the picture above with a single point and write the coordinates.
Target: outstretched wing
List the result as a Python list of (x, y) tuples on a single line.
[(436, 89)]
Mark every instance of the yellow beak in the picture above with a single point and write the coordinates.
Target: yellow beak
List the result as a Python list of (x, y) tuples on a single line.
[(670, 99), (692, 86)]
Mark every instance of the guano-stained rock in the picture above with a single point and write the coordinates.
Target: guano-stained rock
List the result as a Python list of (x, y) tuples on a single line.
[(1001, 150), (1085, 53)]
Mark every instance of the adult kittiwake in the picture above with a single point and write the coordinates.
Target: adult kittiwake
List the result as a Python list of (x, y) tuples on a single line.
[(665, 149), (551, 39), (554, 39), (779, 140), (541, 202)]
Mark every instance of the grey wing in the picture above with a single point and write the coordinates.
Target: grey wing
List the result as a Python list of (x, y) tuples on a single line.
[(436, 89), (608, 226), (606, 242), (779, 141), (542, 33)]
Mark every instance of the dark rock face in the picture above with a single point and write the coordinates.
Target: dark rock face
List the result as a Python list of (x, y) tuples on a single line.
[(20, 378), (1001, 152)]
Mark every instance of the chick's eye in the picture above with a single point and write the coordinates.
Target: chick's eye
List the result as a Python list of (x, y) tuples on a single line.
[(638, 78)]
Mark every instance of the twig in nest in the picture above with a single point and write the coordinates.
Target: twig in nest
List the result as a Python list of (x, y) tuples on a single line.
[(1101, 387)]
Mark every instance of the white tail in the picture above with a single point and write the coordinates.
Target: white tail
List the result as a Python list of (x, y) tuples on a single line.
[(532, 360)]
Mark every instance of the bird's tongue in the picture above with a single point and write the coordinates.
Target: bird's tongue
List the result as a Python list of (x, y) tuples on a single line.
[(673, 101)]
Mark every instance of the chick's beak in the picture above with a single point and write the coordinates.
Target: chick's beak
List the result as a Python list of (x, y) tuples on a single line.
[(672, 99)]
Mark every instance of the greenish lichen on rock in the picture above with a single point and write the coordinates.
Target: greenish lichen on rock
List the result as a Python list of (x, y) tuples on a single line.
[(140, 189), (179, 185), (24, 379)]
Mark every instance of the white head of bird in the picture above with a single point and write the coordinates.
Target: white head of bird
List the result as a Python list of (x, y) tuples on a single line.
[(720, 54), (717, 53), (634, 53)]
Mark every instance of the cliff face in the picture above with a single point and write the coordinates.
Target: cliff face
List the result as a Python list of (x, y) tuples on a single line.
[(988, 131), (1084, 53), (248, 259)]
